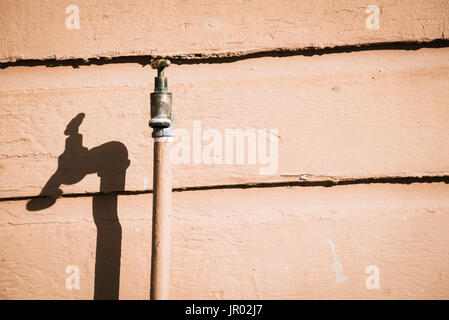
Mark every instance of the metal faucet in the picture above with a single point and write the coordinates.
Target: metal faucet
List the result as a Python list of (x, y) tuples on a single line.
[(162, 114)]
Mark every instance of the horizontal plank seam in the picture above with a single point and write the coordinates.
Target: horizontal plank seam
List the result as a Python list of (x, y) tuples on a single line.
[(217, 58), (303, 183)]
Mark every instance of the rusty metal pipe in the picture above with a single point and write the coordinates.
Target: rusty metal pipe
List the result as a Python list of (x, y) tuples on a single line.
[(162, 188), (161, 121)]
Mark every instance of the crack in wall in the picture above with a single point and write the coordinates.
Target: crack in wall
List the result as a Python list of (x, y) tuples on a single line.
[(228, 57), (302, 183)]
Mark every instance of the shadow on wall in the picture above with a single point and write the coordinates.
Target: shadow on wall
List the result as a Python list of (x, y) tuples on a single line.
[(109, 161)]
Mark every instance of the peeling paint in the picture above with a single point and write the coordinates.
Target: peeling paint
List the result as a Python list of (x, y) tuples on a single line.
[(336, 265)]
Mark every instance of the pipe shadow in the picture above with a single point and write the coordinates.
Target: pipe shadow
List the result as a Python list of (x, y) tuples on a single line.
[(110, 162)]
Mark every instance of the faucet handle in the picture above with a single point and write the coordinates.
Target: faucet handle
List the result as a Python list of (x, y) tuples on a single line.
[(160, 64)]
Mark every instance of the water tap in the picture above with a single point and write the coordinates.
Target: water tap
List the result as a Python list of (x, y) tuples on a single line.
[(162, 114)]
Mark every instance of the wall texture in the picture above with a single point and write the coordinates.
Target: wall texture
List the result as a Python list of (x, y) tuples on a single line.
[(361, 174)]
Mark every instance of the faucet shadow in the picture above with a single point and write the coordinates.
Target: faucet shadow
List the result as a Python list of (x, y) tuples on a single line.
[(110, 162)]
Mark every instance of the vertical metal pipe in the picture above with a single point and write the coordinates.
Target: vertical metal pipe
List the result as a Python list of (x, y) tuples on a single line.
[(161, 121), (162, 188)]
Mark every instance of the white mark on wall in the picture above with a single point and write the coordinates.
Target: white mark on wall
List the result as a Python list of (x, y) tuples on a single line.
[(145, 183), (73, 280), (372, 22), (372, 282), (336, 266), (255, 285), (72, 22)]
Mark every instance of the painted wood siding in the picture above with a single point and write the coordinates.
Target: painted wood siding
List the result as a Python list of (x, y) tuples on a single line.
[(361, 172)]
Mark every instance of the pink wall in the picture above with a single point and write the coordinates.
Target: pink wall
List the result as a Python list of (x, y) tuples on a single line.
[(349, 200)]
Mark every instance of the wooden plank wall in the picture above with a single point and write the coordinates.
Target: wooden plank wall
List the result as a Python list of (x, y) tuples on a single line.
[(375, 118), (36, 29)]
